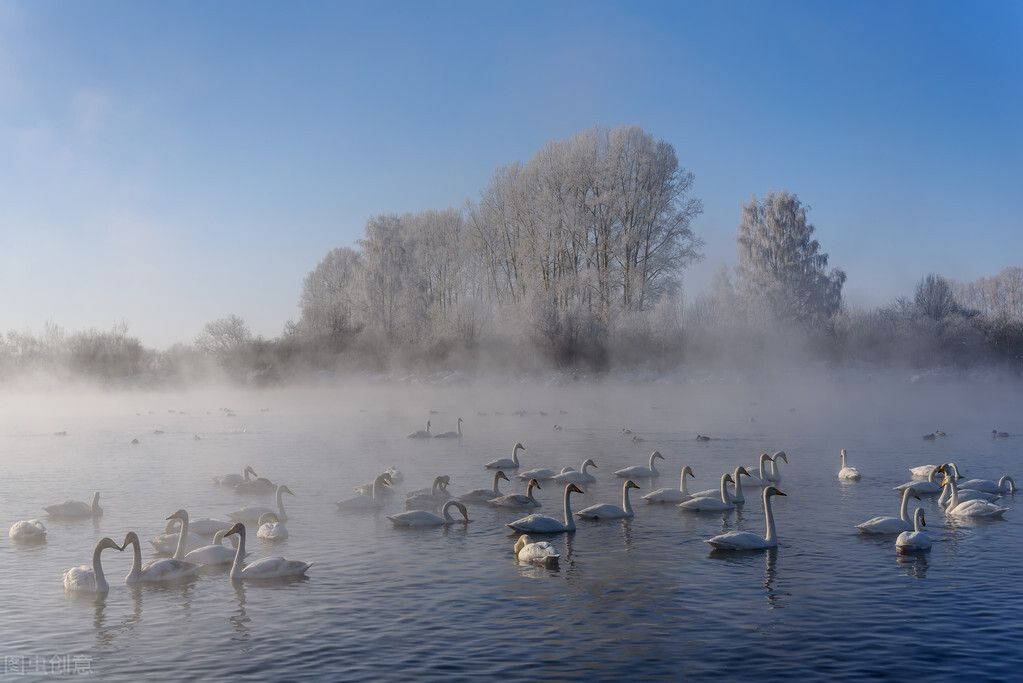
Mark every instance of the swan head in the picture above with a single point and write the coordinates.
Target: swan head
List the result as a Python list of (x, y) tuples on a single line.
[(180, 514), (248, 468), (780, 454), (657, 454), (284, 489), (501, 475), (920, 513), (741, 470), (236, 528), (130, 538), (771, 491), (516, 447), (688, 470), (461, 508), (841, 455), (533, 484), (631, 485), (572, 488), (107, 542), (522, 542), (267, 517), (384, 478), (727, 477)]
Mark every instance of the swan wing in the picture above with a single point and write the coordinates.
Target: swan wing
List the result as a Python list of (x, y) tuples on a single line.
[(738, 540)]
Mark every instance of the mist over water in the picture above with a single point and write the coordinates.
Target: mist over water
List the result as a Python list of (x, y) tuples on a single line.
[(643, 597)]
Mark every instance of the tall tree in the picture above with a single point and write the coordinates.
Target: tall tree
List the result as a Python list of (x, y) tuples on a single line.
[(330, 297)]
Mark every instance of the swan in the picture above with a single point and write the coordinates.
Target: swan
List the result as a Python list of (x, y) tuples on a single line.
[(735, 495), (964, 494), (165, 569), (264, 567), (539, 473), (580, 476), (420, 499), (536, 552), (422, 433), (234, 478), (1004, 485), (542, 524), (745, 540), (27, 530), (609, 511), (204, 527), (672, 495), (847, 472), (179, 542), (518, 499), (701, 437), (426, 518), (252, 512), (774, 476), (755, 478), (373, 501), (891, 525), (908, 541), (457, 434), (396, 475), (637, 471), (271, 528), (711, 504), (86, 579), (924, 471), (214, 553), (71, 509), (931, 485), (997, 434), (511, 463), (970, 508), (438, 484), (483, 495)]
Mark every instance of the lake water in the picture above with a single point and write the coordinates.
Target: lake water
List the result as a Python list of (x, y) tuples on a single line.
[(639, 599)]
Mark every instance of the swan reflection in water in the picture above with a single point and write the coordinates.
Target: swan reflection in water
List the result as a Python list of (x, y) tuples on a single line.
[(914, 563), (774, 597)]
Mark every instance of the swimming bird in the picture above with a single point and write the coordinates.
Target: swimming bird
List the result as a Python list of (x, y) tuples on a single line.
[(251, 513), (86, 579), (999, 435), (724, 502), (964, 494), (511, 463), (891, 525), (924, 471), (427, 518), (75, 509), (373, 501), (518, 499), (27, 530), (422, 433), (638, 471), (609, 511), (847, 472), (580, 476), (165, 569), (970, 508), (264, 567), (542, 524), (915, 540), (672, 495), (745, 540), (536, 552), (213, 554), (931, 485), (203, 526), (421, 499), (483, 495), (271, 528), (1003, 485), (457, 434), (234, 478), (539, 473), (179, 542)]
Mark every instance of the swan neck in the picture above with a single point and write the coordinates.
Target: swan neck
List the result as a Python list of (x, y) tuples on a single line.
[(953, 502), (179, 551), (97, 570), (917, 518), (95, 503), (569, 519), (682, 486), (136, 562), (239, 554), (281, 515), (626, 505), (769, 516), (724, 490), (496, 489), (738, 487), (904, 510)]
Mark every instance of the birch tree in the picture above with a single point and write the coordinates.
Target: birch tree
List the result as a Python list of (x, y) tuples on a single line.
[(331, 296)]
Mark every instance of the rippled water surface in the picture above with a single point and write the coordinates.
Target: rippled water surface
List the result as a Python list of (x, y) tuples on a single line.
[(641, 598)]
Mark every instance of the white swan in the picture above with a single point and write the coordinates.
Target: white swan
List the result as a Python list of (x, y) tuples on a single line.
[(891, 525), (166, 569), (457, 434), (422, 433), (271, 528), (204, 527), (251, 513), (638, 471), (511, 463), (964, 494), (27, 530), (724, 502), (910, 541), (536, 552), (234, 478), (426, 518), (847, 472), (755, 477), (672, 495), (264, 567), (373, 501), (396, 475), (483, 495), (73, 509), (923, 487), (214, 553), (424, 500), (745, 540), (609, 511), (86, 579), (542, 524), (774, 475), (580, 476), (924, 471), (540, 473), (970, 508), (179, 542), (518, 499), (1003, 485)]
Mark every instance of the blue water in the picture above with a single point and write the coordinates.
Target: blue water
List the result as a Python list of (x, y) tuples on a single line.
[(641, 598)]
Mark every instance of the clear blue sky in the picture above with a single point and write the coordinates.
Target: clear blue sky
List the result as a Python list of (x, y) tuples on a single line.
[(168, 164)]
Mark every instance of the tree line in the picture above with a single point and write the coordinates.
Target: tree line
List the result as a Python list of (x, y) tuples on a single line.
[(573, 260)]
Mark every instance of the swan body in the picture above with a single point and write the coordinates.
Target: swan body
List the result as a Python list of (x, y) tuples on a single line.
[(212, 554), (396, 475), (204, 527), (427, 518), (638, 471), (724, 502), (542, 524), (539, 474), (154, 571), (271, 528), (86, 579), (27, 530), (672, 495), (234, 478), (1003, 485), (891, 525), (518, 499), (915, 540), (167, 544), (483, 495), (265, 567), (931, 485), (422, 433), (75, 509), (922, 471), (609, 511), (251, 513), (374, 501), (421, 499), (745, 540), (457, 434), (536, 552), (511, 463), (970, 508), (964, 494), (256, 486), (580, 476), (847, 473)]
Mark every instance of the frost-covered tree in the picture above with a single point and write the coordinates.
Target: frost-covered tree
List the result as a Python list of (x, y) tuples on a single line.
[(934, 298), (781, 270), (224, 338), (331, 296)]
